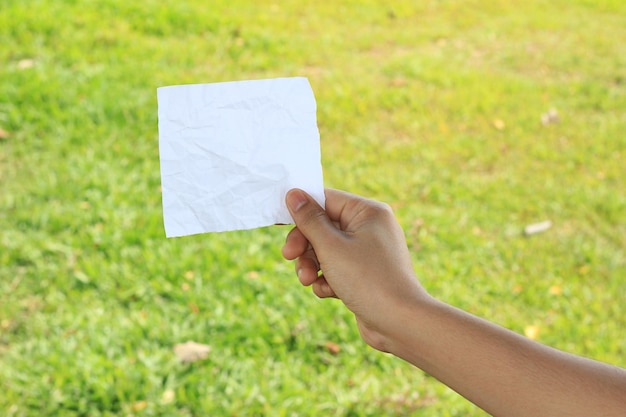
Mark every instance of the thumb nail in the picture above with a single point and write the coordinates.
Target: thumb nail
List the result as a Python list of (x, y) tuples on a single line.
[(296, 199)]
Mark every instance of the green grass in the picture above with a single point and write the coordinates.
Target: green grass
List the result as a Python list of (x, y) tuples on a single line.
[(431, 106)]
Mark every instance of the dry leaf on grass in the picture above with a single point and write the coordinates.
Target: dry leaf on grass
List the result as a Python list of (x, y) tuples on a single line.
[(168, 397), (27, 63), (556, 289), (332, 348), (499, 124), (550, 117), (535, 228), (191, 351), (139, 405)]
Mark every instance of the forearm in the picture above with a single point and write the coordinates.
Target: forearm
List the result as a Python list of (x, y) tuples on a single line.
[(502, 372)]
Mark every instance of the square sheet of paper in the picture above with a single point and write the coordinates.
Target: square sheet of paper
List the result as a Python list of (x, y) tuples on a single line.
[(230, 152)]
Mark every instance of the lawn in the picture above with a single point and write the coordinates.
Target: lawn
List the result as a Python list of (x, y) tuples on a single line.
[(472, 118)]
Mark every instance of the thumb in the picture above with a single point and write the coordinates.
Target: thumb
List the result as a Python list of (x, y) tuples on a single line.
[(310, 218)]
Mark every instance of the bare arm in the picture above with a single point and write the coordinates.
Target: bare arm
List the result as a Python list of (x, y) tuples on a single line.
[(361, 250), (503, 372)]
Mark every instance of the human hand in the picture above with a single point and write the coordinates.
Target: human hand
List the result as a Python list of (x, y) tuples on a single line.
[(361, 252)]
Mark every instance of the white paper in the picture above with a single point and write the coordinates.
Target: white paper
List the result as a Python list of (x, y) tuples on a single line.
[(230, 152)]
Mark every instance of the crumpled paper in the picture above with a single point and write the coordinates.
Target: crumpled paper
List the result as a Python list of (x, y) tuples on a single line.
[(230, 152)]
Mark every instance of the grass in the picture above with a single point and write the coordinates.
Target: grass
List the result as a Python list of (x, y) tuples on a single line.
[(431, 106)]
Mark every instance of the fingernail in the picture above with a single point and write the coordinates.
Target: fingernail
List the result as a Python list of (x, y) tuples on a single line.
[(296, 199)]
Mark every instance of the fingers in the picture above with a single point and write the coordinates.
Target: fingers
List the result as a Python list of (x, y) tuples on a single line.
[(310, 218), (337, 201), (340, 205), (307, 271), (307, 265), (298, 247), (322, 289), (316, 229), (295, 244), (307, 268), (348, 211)]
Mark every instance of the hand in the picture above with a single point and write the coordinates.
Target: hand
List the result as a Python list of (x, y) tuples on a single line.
[(361, 252)]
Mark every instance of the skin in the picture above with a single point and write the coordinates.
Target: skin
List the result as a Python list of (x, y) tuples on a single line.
[(356, 251)]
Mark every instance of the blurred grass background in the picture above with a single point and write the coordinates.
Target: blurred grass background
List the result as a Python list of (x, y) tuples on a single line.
[(435, 107)]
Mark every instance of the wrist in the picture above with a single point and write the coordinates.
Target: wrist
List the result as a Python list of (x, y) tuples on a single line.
[(398, 322), (409, 324)]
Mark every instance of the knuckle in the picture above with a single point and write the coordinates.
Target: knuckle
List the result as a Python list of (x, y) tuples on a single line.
[(375, 209), (384, 209)]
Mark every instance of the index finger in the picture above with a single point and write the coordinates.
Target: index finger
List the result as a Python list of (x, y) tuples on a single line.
[(341, 206)]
